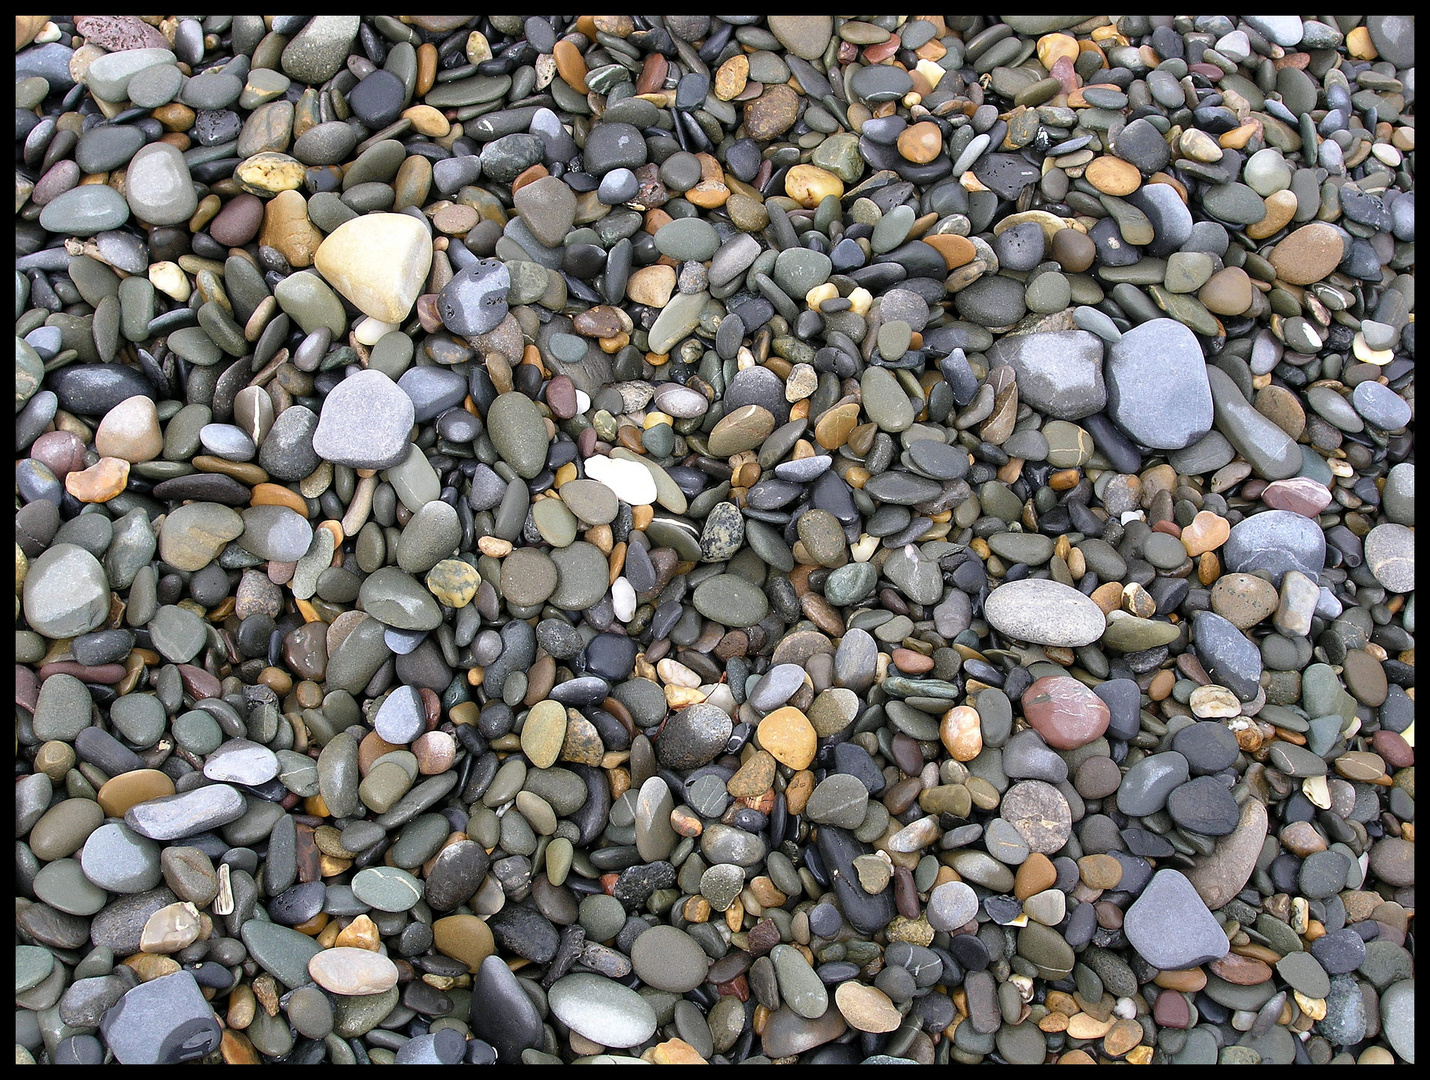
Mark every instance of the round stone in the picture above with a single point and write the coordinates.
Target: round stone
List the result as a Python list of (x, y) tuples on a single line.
[(1044, 612), (669, 959)]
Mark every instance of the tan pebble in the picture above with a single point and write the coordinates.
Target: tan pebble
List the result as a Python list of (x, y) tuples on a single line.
[(652, 285), (866, 1008), (353, 972), (361, 933), (1084, 1026), (571, 65), (732, 76), (809, 185), (1055, 47), (428, 121), (151, 966), (1113, 176), (99, 483), (170, 929), (789, 736), (463, 937), (1227, 292), (1360, 45), (1308, 254), (956, 250), (961, 734), (1214, 703), (130, 430), (921, 142), (132, 788), (1125, 1035), (544, 733), (1207, 532), (673, 1052), (286, 228), (754, 777), (1280, 209)]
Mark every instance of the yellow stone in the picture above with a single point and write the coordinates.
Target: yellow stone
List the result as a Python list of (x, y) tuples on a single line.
[(427, 121), (732, 77), (544, 733), (809, 184), (788, 735), (1084, 1026), (1280, 209), (1359, 44), (866, 1008), (361, 933), (99, 483), (1055, 47), (673, 1052), (1113, 176), (960, 733), (379, 262), (465, 938)]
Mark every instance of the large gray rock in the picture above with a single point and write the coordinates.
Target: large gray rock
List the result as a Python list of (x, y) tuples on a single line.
[(1059, 372), (162, 1022), (1170, 926), (1157, 389)]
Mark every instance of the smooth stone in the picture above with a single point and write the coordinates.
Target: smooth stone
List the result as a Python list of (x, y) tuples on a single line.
[(188, 813), (1276, 541), (1147, 784), (352, 972), (1064, 712), (66, 592), (85, 210), (602, 1010), (501, 1012), (161, 1022), (1390, 554), (1230, 659), (1272, 453), (1060, 372), (364, 423), (669, 959), (158, 186), (1044, 612), (379, 262), (1157, 388), (1170, 926)]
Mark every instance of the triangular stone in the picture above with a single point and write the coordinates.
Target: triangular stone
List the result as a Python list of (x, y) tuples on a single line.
[(379, 262)]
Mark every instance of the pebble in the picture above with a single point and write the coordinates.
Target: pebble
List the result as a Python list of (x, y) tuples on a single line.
[(519, 518)]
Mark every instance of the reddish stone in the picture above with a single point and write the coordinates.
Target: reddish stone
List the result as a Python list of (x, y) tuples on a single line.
[(1171, 1010), (1066, 713), (104, 674), (61, 451), (1391, 745), (561, 396), (1300, 495)]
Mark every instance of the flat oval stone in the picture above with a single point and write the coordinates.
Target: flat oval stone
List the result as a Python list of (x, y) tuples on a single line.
[(188, 813), (731, 600), (669, 959), (602, 1010), (1066, 713), (352, 972), (1044, 612)]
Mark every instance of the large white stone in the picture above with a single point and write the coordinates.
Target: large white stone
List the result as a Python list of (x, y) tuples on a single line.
[(1044, 612), (379, 262)]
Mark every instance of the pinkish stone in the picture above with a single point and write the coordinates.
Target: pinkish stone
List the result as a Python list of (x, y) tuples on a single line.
[(1064, 712), (1299, 494)]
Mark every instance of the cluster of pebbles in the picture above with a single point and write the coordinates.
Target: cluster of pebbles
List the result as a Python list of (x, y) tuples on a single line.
[(715, 538)]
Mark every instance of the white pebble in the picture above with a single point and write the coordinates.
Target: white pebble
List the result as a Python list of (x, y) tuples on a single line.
[(370, 331), (630, 480), (623, 599)]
